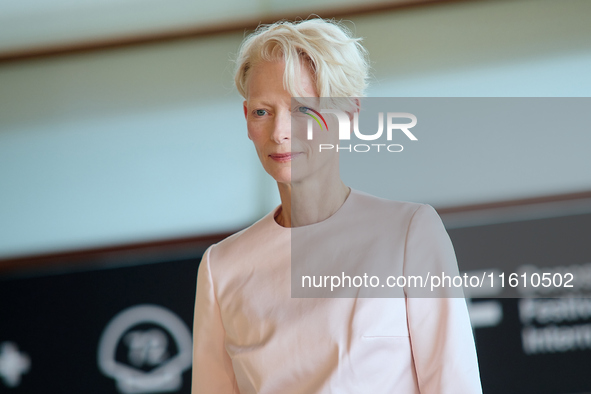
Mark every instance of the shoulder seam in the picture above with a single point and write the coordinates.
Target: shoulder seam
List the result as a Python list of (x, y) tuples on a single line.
[(405, 295), (408, 232)]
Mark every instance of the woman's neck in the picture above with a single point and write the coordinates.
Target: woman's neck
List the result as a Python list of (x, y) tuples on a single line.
[(308, 203)]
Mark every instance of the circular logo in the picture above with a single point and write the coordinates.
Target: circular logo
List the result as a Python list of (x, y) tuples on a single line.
[(146, 348)]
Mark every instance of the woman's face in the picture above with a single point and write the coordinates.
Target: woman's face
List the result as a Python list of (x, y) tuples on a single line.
[(286, 154)]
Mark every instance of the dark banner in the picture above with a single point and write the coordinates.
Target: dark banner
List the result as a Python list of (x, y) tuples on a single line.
[(531, 345), (118, 330)]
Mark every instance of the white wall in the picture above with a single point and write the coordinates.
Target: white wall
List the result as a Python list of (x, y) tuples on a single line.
[(149, 142)]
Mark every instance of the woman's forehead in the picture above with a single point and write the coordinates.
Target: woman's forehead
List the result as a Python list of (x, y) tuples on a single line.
[(266, 77)]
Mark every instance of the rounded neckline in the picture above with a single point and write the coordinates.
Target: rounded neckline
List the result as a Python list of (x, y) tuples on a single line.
[(345, 204)]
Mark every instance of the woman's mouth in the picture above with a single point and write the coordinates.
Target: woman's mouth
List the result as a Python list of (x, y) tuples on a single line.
[(283, 157)]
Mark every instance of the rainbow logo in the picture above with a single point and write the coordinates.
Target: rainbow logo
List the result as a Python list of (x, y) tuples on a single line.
[(305, 111)]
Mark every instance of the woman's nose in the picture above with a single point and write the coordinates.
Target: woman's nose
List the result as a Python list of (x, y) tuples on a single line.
[(282, 127)]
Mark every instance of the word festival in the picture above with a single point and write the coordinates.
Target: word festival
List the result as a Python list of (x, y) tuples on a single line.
[(345, 134)]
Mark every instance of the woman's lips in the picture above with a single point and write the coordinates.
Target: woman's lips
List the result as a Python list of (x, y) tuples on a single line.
[(283, 157)]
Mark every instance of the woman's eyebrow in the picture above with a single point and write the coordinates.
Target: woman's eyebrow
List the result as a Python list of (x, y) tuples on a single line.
[(256, 102)]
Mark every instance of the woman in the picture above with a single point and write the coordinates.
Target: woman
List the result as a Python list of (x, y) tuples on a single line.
[(250, 335)]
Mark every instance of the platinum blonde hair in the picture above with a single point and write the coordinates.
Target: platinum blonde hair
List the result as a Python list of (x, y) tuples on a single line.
[(338, 61)]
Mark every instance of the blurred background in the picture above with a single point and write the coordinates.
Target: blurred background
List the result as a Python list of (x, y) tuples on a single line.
[(123, 154)]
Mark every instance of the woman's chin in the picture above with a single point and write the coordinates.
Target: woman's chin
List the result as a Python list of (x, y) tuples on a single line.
[(281, 176)]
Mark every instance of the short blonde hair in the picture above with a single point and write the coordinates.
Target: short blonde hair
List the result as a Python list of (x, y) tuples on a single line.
[(339, 62)]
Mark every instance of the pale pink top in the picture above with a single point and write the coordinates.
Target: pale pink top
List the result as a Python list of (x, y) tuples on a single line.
[(250, 336)]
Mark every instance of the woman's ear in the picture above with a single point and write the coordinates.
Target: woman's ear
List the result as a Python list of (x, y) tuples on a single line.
[(355, 107), (245, 108)]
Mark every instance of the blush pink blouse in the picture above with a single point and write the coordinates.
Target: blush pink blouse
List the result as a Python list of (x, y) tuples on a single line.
[(250, 336)]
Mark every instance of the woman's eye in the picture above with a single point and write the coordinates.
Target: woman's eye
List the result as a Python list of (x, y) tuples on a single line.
[(303, 109), (260, 112)]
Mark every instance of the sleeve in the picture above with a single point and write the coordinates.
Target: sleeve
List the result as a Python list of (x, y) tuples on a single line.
[(212, 366), (442, 341)]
